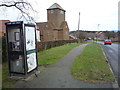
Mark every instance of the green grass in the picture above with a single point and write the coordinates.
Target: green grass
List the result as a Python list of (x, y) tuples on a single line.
[(117, 42), (91, 66), (0, 75), (6, 81), (50, 56)]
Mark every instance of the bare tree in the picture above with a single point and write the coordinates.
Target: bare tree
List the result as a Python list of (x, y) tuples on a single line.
[(81, 35), (23, 6), (91, 35), (118, 33), (110, 34)]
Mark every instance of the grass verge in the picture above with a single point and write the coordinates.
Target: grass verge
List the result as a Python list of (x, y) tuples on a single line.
[(6, 81), (0, 75), (116, 42), (50, 56), (91, 66)]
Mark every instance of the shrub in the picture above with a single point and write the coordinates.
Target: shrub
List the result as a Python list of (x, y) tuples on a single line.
[(4, 51), (50, 44)]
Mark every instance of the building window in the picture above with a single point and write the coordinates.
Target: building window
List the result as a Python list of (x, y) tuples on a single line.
[(52, 11), (66, 26), (62, 12)]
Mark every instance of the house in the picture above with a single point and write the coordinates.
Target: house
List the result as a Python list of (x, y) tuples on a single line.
[(101, 36), (56, 28), (116, 39), (3, 27), (72, 37)]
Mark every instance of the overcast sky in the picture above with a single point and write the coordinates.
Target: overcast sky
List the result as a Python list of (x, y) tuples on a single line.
[(92, 13)]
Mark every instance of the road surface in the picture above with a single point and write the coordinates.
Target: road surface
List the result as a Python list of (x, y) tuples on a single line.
[(112, 53)]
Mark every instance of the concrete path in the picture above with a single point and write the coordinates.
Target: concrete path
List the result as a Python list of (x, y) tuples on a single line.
[(58, 75)]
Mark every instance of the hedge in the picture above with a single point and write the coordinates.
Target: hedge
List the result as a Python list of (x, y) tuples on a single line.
[(4, 51), (50, 44), (40, 46)]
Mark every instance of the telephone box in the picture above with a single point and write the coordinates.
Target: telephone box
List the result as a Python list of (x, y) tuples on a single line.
[(21, 47)]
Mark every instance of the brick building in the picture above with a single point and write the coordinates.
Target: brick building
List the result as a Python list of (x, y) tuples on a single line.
[(3, 27), (56, 28)]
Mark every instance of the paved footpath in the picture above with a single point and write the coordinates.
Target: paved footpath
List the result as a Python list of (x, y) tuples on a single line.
[(58, 75)]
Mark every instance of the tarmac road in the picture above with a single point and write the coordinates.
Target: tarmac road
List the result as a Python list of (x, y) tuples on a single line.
[(113, 53)]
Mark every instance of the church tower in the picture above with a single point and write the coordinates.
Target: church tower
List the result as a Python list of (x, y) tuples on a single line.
[(56, 15)]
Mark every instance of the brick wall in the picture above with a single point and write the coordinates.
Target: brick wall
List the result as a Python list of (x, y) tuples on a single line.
[(46, 32), (55, 35), (60, 35), (55, 16), (3, 27), (65, 31)]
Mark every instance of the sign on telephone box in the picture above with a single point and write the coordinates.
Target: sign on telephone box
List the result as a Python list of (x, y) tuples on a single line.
[(21, 47)]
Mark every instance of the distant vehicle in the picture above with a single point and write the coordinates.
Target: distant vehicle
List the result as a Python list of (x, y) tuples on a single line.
[(107, 42), (89, 38)]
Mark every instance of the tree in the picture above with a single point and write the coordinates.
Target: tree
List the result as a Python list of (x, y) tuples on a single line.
[(118, 33), (23, 6), (81, 35), (110, 34), (91, 35)]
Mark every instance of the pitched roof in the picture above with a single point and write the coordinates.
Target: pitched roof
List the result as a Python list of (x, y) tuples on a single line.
[(44, 24), (55, 6)]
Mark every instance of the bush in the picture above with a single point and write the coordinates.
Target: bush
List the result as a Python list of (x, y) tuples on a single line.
[(50, 44), (4, 51)]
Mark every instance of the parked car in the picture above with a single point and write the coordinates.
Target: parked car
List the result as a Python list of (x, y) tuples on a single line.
[(107, 42)]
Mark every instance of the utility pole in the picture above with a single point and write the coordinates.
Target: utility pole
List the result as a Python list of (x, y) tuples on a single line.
[(98, 26), (79, 21), (97, 33), (78, 28)]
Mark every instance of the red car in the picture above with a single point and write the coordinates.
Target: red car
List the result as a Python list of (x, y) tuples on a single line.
[(107, 42)]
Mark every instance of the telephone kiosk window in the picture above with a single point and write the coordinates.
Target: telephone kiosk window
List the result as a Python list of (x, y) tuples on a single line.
[(15, 44)]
